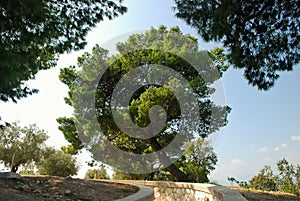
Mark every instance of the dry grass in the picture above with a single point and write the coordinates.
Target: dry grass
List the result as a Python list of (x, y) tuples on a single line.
[(258, 195)]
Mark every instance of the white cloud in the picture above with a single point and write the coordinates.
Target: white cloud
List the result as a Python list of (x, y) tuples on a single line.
[(295, 137), (237, 162), (283, 145), (263, 149)]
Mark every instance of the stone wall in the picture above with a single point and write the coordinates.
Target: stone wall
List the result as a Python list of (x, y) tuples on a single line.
[(181, 191)]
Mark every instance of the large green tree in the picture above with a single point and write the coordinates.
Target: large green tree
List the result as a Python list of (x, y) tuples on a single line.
[(142, 53), (262, 37), (21, 145), (33, 34)]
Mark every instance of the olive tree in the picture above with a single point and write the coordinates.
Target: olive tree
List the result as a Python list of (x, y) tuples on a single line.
[(21, 145)]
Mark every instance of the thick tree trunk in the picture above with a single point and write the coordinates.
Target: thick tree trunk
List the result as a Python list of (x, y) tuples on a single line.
[(164, 159), (14, 168)]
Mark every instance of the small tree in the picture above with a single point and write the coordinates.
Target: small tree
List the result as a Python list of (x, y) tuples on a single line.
[(286, 177), (199, 160), (21, 145), (265, 180), (297, 172), (97, 173), (232, 180), (57, 163)]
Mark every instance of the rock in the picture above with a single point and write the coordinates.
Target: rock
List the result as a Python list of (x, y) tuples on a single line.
[(68, 192), (25, 188), (46, 195), (68, 178), (38, 191), (9, 175)]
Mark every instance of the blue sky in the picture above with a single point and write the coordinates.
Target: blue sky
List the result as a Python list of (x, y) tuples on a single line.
[(263, 126)]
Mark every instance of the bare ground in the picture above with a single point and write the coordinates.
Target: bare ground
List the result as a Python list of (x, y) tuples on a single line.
[(28, 188), (253, 195), (58, 188)]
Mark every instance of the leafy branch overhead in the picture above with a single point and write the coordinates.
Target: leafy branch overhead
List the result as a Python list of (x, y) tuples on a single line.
[(261, 37), (33, 34)]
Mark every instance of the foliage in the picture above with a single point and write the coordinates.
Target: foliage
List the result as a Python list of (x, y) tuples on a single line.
[(265, 180), (288, 178), (232, 180), (286, 181), (21, 145), (28, 169), (67, 127), (118, 175), (97, 173), (199, 160), (149, 52), (57, 163), (261, 37), (33, 33)]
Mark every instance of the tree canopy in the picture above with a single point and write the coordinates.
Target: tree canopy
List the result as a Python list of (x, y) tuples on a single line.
[(33, 33), (150, 70), (261, 37)]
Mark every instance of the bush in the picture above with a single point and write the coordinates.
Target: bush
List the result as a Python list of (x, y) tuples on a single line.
[(98, 173), (57, 163)]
